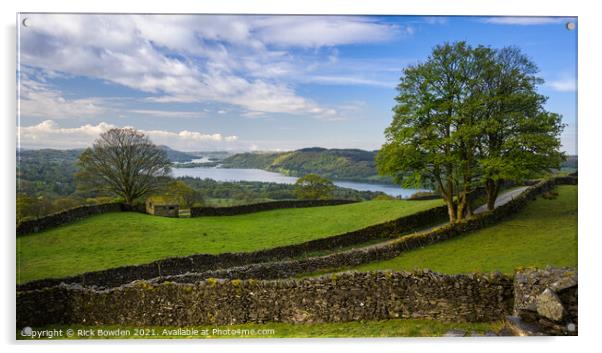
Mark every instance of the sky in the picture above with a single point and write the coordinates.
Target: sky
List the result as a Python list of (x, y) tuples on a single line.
[(252, 83)]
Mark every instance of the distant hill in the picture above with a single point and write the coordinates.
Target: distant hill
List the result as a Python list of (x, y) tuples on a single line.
[(342, 164), (212, 155), (71, 155), (177, 156)]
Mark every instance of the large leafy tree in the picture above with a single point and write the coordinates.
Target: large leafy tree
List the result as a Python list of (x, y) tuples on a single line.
[(123, 162), (423, 142), (519, 138), (467, 117), (313, 187)]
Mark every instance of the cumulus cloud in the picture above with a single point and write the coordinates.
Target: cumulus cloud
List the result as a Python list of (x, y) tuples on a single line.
[(228, 59), (49, 134)]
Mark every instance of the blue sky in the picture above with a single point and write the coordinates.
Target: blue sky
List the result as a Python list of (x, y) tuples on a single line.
[(252, 82)]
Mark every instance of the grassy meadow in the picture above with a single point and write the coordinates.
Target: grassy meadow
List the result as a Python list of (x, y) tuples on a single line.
[(543, 234), (117, 239)]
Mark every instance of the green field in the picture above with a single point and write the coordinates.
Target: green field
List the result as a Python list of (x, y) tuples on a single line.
[(543, 233), (117, 239), (385, 328)]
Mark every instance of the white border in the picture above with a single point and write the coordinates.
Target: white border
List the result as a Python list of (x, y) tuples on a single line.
[(590, 130)]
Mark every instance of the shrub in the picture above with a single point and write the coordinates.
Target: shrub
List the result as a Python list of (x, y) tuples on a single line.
[(313, 187)]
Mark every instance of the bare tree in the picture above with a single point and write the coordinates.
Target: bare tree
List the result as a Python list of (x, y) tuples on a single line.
[(123, 162)]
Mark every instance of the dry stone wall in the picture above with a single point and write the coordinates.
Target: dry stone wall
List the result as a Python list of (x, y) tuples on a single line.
[(350, 296), (344, 297), (67, 216), (548, 299)]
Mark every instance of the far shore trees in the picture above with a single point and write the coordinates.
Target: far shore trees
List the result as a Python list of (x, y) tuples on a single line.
[(123, 162), (469, 117), (313, 187)]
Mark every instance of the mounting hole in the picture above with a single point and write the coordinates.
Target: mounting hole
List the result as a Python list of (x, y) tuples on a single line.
[(570, 26)]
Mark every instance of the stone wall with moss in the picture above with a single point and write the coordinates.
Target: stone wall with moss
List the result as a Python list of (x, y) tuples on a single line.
[(548, 299), (333, 298), (67, 216)]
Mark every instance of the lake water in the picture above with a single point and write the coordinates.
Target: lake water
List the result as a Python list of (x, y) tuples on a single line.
[(236, 174), (198, 160)]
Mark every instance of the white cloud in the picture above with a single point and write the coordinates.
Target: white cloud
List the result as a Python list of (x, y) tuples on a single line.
[(563, 85), (524, 21), (177, 58), (37, 99), (49, 134), (308, 31)]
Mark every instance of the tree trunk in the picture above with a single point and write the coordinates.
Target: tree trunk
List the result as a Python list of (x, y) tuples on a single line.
[(451, 209), (462, 205), (449, 201), (448, 196)]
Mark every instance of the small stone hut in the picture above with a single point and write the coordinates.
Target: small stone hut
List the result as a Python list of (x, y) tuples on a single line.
[(159, 206)]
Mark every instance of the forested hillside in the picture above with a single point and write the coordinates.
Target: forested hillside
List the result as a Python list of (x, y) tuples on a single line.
[(46, 171), (347, 164)]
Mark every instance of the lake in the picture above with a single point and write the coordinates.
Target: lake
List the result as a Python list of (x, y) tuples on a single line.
[(237, 174)]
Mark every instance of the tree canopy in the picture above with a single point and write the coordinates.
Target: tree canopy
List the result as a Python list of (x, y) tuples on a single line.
[(185, 195), (468, 117), (123, 162), (313, 187)]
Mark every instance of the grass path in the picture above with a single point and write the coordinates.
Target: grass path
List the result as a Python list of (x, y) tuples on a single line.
[(543, 234), (117, 239)]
